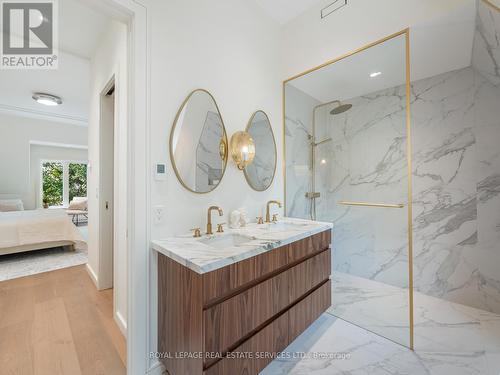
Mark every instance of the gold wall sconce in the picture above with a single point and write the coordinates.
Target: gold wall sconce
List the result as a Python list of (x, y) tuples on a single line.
[(242, 149)]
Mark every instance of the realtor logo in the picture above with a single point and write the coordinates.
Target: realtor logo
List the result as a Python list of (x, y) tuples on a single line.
[(29, 34)]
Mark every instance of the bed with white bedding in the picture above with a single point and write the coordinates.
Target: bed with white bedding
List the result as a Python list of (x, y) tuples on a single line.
[(37, 229)]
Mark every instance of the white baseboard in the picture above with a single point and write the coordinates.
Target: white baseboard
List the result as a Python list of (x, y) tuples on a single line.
[(157, 368), (92, 275), (122, 323)]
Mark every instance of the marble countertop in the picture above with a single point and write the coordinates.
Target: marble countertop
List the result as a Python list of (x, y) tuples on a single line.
[(209, 253)]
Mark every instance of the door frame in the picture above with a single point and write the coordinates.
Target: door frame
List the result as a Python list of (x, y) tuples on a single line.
[(106, 270), (135, 16)]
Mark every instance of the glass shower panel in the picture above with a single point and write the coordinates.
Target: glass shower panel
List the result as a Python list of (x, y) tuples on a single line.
[(358, 171)]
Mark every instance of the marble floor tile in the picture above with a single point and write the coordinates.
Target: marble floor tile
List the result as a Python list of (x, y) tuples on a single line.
[(450, 338), (380, 308)]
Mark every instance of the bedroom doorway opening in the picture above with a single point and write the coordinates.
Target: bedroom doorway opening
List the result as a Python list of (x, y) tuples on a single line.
[(64, 201), (107, 177)]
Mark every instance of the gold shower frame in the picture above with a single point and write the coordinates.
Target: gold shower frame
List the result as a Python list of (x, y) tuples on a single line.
[(489, 3), (406, 33)]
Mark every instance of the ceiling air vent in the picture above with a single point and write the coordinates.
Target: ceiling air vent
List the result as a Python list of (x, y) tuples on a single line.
[(332, 7)]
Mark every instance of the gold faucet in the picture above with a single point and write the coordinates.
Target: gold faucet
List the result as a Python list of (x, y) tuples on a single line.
[(268, 216), (196, 232), (209, 217)]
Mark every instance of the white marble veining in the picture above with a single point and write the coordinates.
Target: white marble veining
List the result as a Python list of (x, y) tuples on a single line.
[(450, 338), (366, 161), (486, 49), (235, 244), (298, 131), (456, 120), (456, 178), (380, 308)]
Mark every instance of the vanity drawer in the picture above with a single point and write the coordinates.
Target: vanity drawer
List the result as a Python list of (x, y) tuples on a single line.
[(304, 313), (224, 281), (308, 274), (308, 246), (272, 339), (230, 321), (228, 280)]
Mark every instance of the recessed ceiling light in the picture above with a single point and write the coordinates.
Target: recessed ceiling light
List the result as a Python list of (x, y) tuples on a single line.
[(47, 99), (375, 74)]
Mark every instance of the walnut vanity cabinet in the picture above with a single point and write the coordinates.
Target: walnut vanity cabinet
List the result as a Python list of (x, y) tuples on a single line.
[(224, 321)]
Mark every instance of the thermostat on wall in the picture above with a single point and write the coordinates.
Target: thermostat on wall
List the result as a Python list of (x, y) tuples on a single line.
[(160, 172)]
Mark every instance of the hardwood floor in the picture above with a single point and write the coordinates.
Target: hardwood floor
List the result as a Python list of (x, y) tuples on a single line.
[(57, 323)]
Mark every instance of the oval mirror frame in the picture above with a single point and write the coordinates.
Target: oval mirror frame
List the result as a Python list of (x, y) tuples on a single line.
[(222, 147), (245, 171)]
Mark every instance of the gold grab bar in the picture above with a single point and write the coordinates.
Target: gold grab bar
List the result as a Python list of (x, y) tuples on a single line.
[(366, 204)]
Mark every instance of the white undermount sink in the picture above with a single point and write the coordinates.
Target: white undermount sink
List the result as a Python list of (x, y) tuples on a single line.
[(282, 225), (226, 240)]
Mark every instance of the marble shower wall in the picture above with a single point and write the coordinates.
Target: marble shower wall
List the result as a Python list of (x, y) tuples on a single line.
[(298, 129), (486, 49), (456, 133), (456, 177), (456, 187), (366, 161), (456, 119)]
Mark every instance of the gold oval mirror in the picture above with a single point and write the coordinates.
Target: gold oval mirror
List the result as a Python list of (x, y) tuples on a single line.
[(260, 173), (198, 143)]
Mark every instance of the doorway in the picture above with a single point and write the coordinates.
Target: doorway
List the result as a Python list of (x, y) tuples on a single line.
[(107, 161)]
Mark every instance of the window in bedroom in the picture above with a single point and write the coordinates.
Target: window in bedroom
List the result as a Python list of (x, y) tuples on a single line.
[(52, 185), (77, 180), (62, 181)]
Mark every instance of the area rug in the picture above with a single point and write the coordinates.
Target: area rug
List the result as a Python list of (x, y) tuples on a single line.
[(32, 262)]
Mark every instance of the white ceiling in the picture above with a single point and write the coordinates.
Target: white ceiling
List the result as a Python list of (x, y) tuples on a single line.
[(70, 81), (350, 77), (284, 11), (80, 30), (437, 46)]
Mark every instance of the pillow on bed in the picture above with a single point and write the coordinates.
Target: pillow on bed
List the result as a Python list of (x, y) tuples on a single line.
[(78, 204), (7, 205)]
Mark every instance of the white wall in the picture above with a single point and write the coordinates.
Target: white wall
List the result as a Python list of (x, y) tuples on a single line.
[(110, 60), (307, 41), (199, 44), (16, 132), (230, 48)]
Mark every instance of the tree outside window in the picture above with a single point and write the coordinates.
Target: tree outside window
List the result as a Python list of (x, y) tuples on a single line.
[(52, 175), (62, 181), (77, 180)]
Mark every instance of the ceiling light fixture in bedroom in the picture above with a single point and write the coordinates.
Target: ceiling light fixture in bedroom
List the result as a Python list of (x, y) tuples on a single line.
[(47, 99)]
